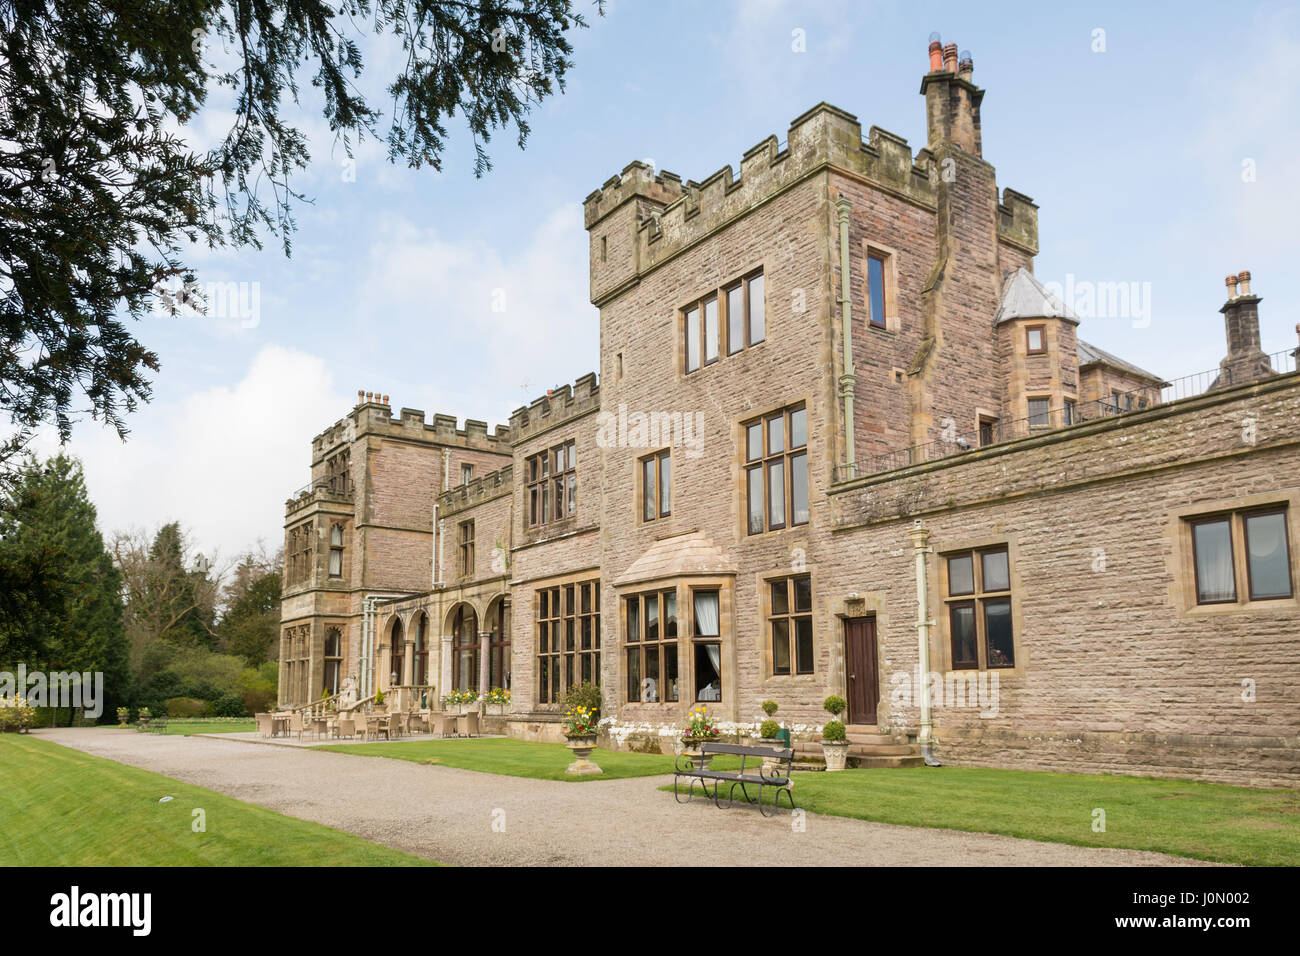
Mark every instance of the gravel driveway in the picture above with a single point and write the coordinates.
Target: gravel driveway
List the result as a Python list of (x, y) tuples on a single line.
[(448, 815)]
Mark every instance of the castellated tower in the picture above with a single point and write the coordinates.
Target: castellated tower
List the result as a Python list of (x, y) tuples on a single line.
[(364, 529)]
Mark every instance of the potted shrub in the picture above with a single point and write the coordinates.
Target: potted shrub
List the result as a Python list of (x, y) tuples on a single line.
[(123, 715), (700, 726), (835, 739), (379, 704), (579, 724), (770, 730), (142, 718)]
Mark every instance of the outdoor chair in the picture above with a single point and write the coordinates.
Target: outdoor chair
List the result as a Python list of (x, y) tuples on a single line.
[(345, 727), (445, 725), (265, 727), (295, 723), (470, 726)]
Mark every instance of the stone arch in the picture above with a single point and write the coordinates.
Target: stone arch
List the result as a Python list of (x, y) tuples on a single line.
[(462, 625), (496, 621)]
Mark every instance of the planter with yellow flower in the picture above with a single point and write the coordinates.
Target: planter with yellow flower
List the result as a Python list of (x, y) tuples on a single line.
[(579, 725), (700, 728)]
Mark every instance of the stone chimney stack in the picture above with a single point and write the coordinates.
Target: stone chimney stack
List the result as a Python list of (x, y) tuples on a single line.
[(1245, 361), (952, 100)]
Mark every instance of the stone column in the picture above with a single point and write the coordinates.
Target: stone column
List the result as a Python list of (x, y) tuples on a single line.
[(408, 663), (484, 640), (445, 666)]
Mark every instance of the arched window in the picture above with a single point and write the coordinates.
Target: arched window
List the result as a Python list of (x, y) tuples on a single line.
[(464, 629), (333, 659), (336, 551), (421, 650), (396, 642), (499, 645)]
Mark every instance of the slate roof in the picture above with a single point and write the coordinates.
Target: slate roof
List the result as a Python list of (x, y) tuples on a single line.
[(1091, 355), (1024, 297)]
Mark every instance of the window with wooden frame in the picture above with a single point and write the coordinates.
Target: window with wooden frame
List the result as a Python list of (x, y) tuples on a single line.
[(1035, 340), (650, 647), (1040, 412), (656, 486), (706, 644), (728, 321), (568, 638), (333, 659), (988, 428), (465, 648), (877, 291), (552, 484), (336, 551), (790, 627), (1260, 538), (977, 601), (776, 470), (465, 547)]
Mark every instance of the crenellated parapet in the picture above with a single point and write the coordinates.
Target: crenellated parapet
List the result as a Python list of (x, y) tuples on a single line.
[(495, 484), (1018, 221), (671, 215), (376, 418), (556, 407)]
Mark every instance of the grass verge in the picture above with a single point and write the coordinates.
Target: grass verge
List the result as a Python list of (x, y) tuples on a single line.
[(61, 807)]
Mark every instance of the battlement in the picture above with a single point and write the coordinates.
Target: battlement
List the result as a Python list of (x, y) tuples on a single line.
[(494, 484), (637, 179), (1018, 221), (557, 406), (373, 415), (678, 214)]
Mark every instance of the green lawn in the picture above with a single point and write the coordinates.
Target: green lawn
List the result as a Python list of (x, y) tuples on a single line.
[(61, 807), (1206, 821), (515, 758)]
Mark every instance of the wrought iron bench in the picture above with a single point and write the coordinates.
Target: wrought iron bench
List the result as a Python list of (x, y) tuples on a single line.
[(770, 769)]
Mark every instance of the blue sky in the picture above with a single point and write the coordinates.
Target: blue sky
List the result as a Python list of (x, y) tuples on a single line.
[(1134, 155)]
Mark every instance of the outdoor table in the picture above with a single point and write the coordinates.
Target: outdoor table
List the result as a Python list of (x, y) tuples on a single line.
[(279, 723)]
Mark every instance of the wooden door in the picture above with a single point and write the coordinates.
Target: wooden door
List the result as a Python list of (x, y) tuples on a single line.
[(862, 677)]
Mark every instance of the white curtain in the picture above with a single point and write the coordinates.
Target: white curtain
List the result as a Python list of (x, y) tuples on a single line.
[(715, 656), (706, 614), (1214, 561)]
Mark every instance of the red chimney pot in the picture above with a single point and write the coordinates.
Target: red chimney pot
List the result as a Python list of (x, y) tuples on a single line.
[(936, 56)]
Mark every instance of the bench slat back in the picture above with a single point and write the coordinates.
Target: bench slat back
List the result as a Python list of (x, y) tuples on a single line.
[(771, 753)]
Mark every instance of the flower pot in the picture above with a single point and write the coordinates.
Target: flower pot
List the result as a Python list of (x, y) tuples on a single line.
[(691, 745), (581, 746), (836, 753)]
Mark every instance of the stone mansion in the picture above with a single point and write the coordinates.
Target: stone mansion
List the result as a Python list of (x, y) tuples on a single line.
[(842, 441)]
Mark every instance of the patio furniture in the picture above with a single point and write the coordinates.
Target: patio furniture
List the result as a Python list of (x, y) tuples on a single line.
[(773, 771), (295, 723), (467, 724), (279, 724), (444, 725), (419, 723), (265, 724), (345, 727), (320, 726)]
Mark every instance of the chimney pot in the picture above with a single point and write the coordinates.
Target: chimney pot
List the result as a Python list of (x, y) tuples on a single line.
[(965, 65), (385, 399), (1244, 278), (950, 58), (1231, 283), (936, 56), (369, 396), (360, 396)]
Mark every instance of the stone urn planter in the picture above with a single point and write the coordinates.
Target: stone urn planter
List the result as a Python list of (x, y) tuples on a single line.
[(581, 745), (836, 753), (691, 747)]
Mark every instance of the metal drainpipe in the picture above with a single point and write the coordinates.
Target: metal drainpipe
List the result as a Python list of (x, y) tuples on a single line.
[(848, 380), (367, 674), (920, 548)]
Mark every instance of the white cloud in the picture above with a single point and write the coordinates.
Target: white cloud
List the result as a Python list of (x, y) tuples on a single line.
[(478, 322), (221, 461)]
